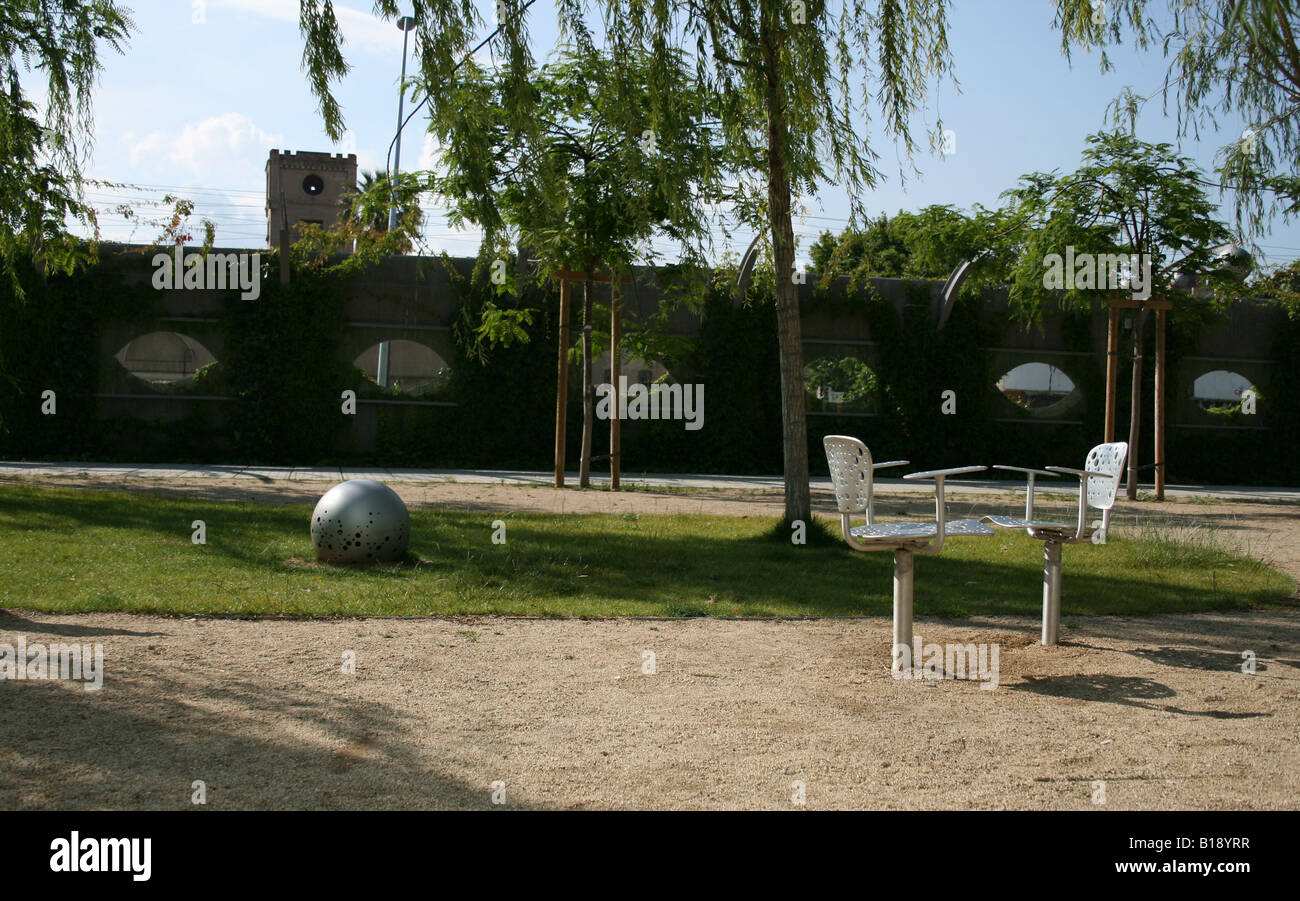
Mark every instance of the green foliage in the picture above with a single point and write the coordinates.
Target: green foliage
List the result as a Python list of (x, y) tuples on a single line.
[(40, 182), (848, 376), (48, 333), (930, 244), (1282, 284), (1127, 197), (1232, 413), (283, 370), (735, 358), (368, 204), (1234, 59), (280, 362), (600, 166), (210, 379)]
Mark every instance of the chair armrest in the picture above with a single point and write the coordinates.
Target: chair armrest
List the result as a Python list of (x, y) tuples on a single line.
[(1084, 475), (940, 473), (1081, 473), (1029, 488), (875, 466), (1037, 472), (940, 511)]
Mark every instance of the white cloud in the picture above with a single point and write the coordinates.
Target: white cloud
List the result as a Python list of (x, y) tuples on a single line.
[(216, 147), (430, 154), (361, 31)]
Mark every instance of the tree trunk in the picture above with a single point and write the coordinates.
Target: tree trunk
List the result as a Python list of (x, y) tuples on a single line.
[(588, 392), (794, 427), (1135, 412)]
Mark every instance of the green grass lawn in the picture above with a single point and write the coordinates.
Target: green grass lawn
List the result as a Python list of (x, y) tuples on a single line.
[(74, 549)]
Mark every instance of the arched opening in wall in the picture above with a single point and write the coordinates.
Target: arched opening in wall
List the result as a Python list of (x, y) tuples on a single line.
[(1221, 392), (840, 385), (404, 366), (1038, 388), (163, 358)]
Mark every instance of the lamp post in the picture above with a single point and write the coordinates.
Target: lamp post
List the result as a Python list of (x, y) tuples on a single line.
[(406, 23)]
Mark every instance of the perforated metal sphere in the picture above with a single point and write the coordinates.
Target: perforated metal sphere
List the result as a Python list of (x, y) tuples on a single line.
[(360, 521)]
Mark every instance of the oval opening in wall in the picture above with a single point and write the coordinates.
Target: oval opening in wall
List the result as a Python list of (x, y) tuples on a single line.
[(1220, 390), (1038, 388), (405, 366), (839, 384), (162, 358)]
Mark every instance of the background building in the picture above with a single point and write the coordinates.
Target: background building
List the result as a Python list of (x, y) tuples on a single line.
[(306, 186)]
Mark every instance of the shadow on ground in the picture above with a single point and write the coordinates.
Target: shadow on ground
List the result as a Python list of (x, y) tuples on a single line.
[(142, 741)]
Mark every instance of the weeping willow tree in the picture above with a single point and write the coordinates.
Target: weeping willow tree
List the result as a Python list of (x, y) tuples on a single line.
[(1226, 58), (61, 43)]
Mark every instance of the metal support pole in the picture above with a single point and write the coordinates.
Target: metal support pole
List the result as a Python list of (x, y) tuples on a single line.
[(903, 581), (1051, 591), (406, 23), (382, 375)]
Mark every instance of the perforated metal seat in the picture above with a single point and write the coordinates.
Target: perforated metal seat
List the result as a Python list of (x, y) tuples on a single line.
[(1038, 528), (852, 473), (888, 532), (1098, 484)]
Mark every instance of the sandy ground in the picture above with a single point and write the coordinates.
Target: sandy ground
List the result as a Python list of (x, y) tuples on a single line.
[(1152, 712)]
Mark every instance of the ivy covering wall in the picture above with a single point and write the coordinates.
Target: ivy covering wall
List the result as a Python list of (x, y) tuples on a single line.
[(280, 373)]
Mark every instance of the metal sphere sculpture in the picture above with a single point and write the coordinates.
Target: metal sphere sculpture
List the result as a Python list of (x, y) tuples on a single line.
[(1233, 260), (360, 521)]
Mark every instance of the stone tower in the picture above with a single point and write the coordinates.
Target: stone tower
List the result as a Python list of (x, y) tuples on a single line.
[(309, 185)]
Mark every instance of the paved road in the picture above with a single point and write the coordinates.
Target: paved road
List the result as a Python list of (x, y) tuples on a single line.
[(518, 477)]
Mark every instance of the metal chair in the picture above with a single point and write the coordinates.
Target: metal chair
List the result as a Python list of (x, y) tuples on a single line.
[(853, 475), (1098, 483)]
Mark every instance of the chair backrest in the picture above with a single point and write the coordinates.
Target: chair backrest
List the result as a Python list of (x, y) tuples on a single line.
[(1107, 458), (850, 464)]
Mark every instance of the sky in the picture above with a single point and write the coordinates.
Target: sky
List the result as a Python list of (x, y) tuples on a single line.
[(206, 88)]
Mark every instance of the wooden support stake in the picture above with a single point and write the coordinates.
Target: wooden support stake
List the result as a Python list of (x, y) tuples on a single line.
[(1160, 404), (562, 385), (615, 367), (1112, 370)]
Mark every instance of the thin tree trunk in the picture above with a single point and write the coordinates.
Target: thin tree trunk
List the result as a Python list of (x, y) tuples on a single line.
[(588, 392), (1135, 413), (794, 427)]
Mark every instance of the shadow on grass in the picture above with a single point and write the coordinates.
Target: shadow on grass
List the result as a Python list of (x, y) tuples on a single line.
[(715, 566)]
